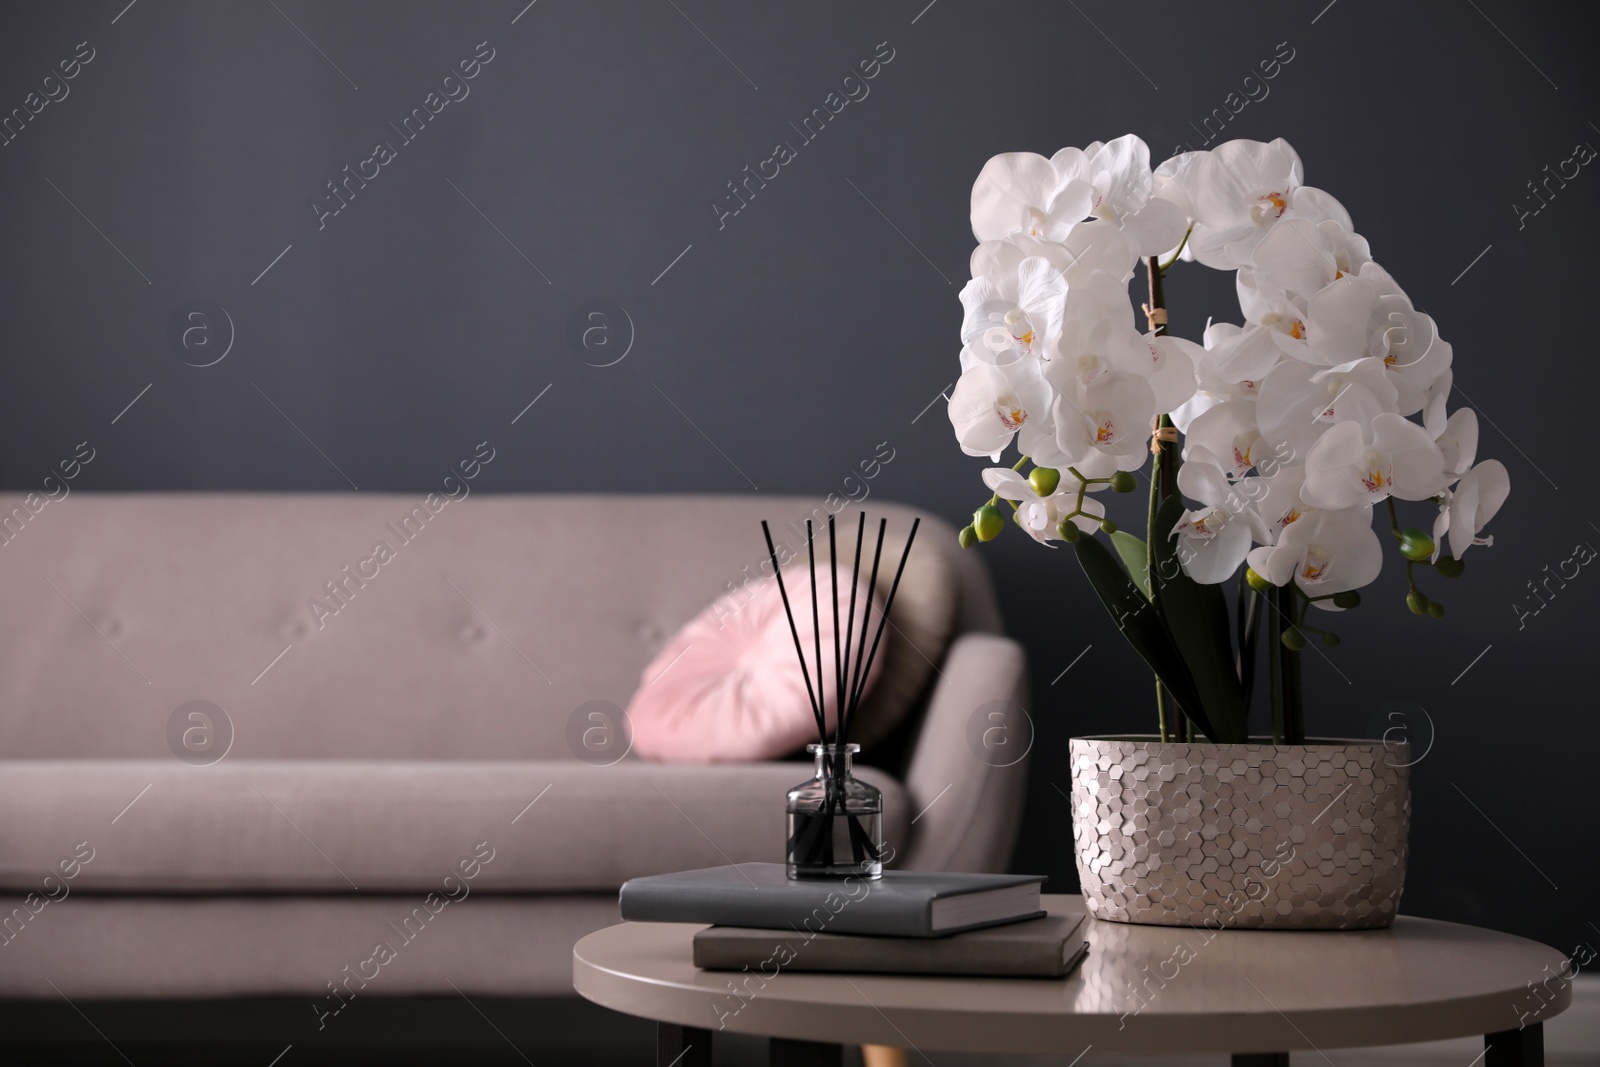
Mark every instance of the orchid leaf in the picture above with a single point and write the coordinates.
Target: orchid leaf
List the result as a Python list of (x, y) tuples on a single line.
[(1136, 557), (1139, 620)]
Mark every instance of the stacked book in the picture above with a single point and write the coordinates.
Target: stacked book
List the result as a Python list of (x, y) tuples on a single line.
[(907, 922)]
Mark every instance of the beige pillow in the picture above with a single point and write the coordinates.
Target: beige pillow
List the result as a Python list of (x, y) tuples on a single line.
[(920, 622)]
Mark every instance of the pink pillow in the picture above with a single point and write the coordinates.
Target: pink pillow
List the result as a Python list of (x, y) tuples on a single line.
[(728, 685)]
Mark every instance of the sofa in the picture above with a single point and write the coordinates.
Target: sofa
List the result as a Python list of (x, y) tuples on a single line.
[(238, 751)]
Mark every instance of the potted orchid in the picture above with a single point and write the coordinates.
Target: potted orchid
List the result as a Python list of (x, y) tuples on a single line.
[(1281, 451)]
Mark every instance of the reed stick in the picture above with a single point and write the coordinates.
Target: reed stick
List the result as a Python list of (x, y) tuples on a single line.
[(816, 635), (855, 584), (855, 697), (794, 631), (838, 672)]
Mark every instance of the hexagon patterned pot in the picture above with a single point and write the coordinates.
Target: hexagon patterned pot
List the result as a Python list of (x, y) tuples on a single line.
[(1255, 836)]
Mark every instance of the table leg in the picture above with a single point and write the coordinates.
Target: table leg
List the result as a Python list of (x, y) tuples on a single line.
[(682, 1046), (1260, 1059), (787, 1053), (1515, 1048)]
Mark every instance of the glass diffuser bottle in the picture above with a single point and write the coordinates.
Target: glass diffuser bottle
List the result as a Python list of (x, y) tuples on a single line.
[(835, 820)]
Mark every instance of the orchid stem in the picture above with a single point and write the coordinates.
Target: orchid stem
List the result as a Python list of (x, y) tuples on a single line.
[(1163, 481)]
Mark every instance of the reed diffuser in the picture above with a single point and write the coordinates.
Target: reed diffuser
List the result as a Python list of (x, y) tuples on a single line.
[(835, 820)]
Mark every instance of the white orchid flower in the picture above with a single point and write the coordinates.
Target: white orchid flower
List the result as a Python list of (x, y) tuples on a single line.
[(1238, 191), (990, 405), (1096, 336), (1298, 402), (1277, 500), (1214, 539), (1350, 466), (1226, 436), (1024, 193), (1466, 509), (1172, 373), (1109, 417), (1458, 441), (1323, 552), (1012, 304), (1232, 364), (1119, 173), (1299, 257)]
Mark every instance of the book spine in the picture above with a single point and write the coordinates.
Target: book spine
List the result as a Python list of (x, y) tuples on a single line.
[(1043, 960)]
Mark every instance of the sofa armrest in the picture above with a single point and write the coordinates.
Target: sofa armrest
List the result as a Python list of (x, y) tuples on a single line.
[(967, 808)]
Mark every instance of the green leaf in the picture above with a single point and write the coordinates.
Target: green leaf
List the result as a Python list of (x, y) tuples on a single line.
[(1139, 621), (1136, 557), (1196, 617)]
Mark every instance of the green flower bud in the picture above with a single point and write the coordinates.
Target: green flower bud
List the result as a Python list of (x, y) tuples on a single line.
[(1436, 609), (1331, 640), (1069, 531), (1044, 480), (1257, 582), (1417, 602), (1123, 482), (1293, 639), (968, 537), (987, 522), (1108, 526), (1416, 545), (1347, 599), (1450, 567)]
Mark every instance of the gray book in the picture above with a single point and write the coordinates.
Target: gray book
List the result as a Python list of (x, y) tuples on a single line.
[(900, 904), (1039, 948)]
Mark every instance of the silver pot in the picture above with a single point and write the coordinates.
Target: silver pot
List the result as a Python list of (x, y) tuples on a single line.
[(1250, 836)]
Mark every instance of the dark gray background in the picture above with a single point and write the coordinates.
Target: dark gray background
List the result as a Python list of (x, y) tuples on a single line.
[(822, 319)]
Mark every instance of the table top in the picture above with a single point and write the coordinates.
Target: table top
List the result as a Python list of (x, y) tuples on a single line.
[(1141, 990)]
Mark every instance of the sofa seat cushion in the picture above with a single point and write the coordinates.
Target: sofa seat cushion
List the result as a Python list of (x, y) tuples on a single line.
[(331, 826)]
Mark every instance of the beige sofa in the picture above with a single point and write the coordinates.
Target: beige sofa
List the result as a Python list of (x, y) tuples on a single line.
[(401, 770)]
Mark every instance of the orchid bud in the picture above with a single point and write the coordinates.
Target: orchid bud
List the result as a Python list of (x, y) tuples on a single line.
[(987, 522), (1436, 609), (1450, 567), (1123, 482), (968, 537), (1417, 602), (1416, 545), (1347, 599), (1293, 639), (1044, 480), (1108, 526), (1068, 531), (1257, 582), (1331, 640)]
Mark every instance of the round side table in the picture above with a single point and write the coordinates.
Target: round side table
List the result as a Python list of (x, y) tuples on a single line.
[(1256, 994)]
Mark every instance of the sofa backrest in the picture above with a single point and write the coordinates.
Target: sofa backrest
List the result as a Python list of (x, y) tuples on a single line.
[(365, 625)]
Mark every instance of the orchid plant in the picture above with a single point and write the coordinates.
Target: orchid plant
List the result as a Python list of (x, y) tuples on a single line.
[(1272, 442)]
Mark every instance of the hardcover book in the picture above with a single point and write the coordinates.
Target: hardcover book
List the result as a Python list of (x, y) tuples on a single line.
[(1037, 948), (900, 904)]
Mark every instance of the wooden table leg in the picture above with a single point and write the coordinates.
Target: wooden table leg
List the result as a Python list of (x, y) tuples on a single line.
[(1515, 1048), (682, 1046), (787, 1053), (883, 1056), (1260, 1059)]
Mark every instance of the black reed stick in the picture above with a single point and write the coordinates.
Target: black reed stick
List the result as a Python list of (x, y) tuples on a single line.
[(793, 631), (838, 670), (855, 583), (855, 697), (866, 612), (816, 634)]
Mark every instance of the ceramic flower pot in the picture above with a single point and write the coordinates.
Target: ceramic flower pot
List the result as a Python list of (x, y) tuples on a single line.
[(1252, 836)]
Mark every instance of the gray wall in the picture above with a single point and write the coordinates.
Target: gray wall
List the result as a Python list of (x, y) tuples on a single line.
[(818, 321)]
